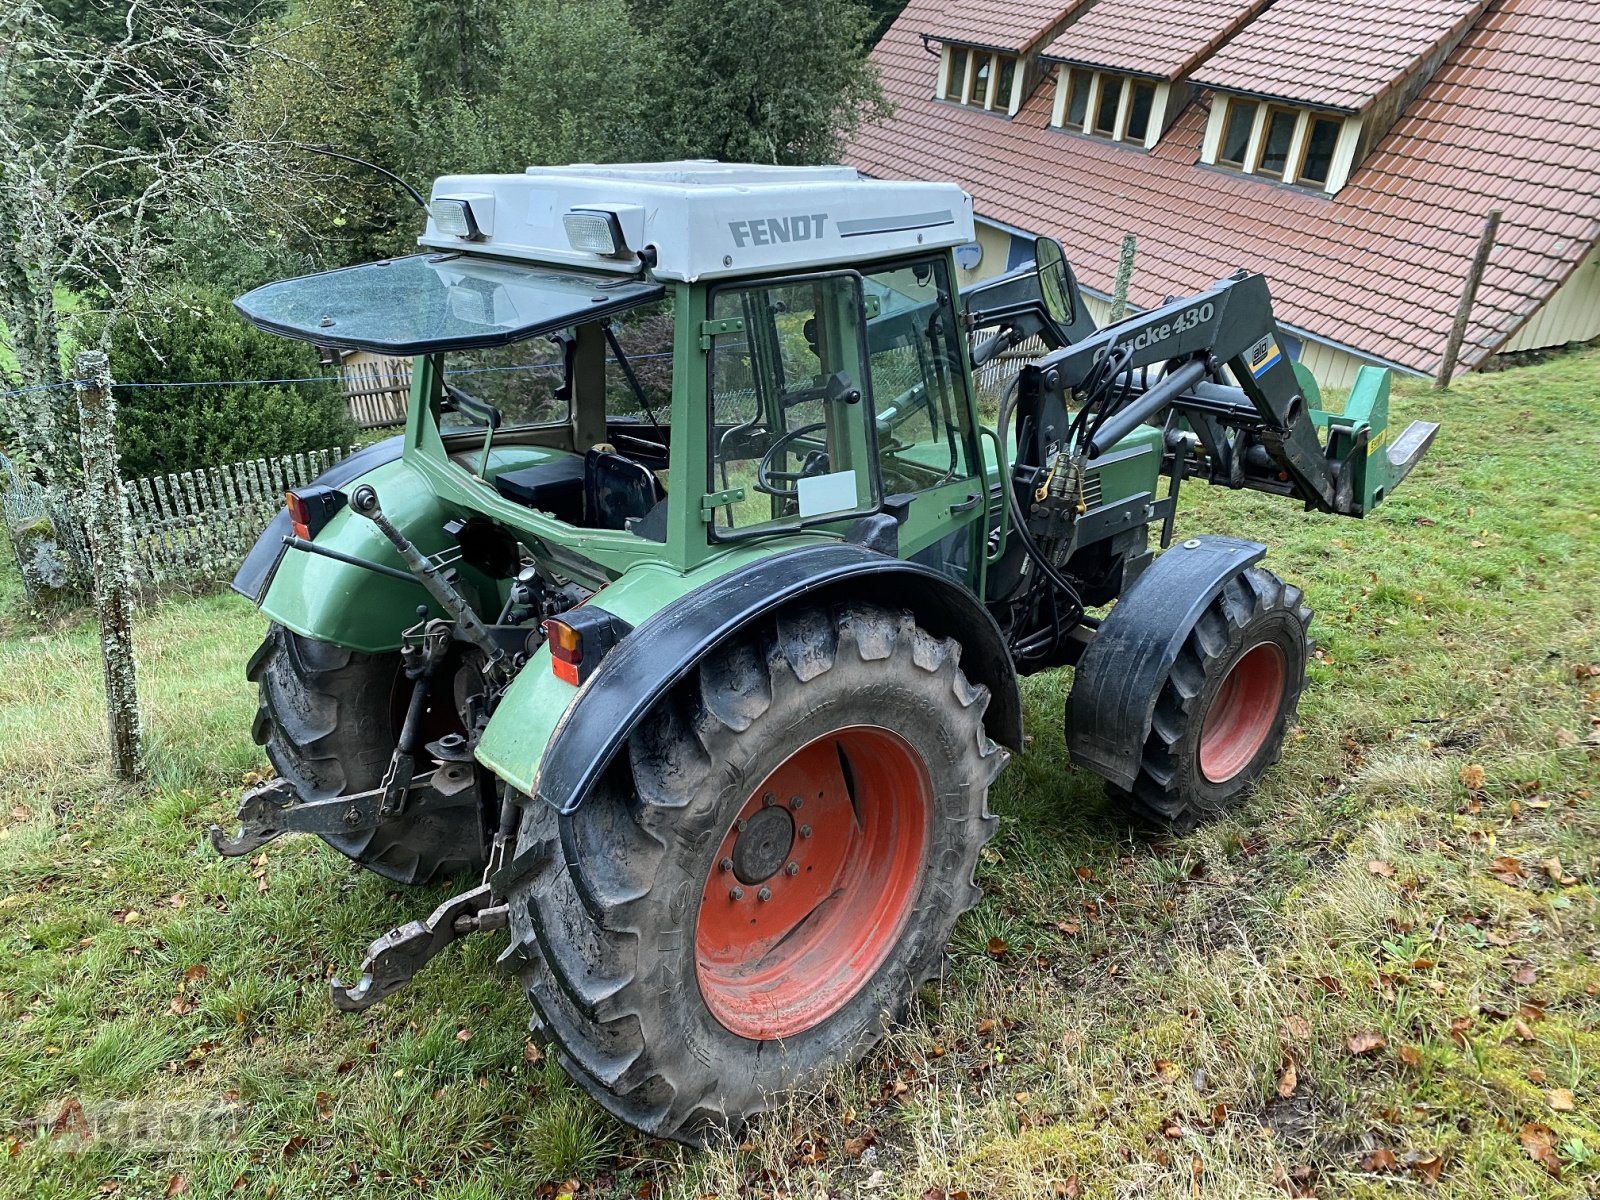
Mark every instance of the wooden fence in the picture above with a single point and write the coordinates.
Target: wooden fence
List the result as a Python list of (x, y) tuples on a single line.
[(199, 525), (376, 389)]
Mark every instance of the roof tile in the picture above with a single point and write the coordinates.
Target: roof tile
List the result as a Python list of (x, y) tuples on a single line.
[(1378, 267)]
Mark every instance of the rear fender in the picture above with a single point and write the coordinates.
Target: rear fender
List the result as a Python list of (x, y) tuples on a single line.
[(1117, 681), (593, 725), (336, 602)]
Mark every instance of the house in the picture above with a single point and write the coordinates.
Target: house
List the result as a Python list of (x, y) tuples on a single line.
[(1350, 150)]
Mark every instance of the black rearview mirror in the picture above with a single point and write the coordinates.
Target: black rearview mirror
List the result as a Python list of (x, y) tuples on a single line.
[(1051, 263)]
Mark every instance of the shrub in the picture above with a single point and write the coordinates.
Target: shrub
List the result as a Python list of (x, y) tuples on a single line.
[(198, 337)]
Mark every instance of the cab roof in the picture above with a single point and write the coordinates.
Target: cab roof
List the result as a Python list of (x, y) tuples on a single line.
[(701, 219)]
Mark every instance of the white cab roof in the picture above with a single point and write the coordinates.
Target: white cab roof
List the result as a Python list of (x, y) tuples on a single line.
[(707, 220)]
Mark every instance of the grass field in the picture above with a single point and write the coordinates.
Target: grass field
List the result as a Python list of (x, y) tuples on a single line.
[(1379, 978)]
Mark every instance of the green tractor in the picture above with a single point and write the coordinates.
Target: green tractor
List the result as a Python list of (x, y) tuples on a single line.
[(685, 619)]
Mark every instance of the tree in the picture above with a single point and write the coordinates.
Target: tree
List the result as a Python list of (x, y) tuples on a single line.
[(83, 200), (772, 81)]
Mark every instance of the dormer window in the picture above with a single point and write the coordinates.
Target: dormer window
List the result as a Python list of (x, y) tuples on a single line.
[(1105, 104), (1308, 147), (980, 78)]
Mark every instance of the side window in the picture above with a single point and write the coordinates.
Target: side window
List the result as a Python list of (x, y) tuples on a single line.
[(918, 385), (791, 434), (522, 380), (639, 380)]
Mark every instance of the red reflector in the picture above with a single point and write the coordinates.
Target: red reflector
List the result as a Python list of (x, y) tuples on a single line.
[(299, 515), (566, 643), (567, 672)]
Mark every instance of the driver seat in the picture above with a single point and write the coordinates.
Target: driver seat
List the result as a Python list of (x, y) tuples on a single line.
[(616, 489)]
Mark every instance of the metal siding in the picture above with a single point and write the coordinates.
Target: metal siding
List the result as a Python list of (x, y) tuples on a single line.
[(1571, 315)]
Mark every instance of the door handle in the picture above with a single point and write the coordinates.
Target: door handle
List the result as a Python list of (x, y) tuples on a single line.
[(966, 506)]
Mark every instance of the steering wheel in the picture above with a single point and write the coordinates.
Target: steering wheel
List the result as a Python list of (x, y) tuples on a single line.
[(765, 474)]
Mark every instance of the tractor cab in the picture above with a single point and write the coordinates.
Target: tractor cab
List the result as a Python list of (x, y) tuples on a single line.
[(674, 358)]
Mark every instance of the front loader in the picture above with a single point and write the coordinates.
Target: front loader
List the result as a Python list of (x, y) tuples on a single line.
[(682, 627)]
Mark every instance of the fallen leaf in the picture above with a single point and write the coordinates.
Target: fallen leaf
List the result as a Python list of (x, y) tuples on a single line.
[(1297, 1027), (1410, 1055), (1473, 777), (1520, 1028), (998, 947), (1425, 1164), (197, 972), (177, 1185), (1557, 873), (1526, 976), (179, 1006), (1561, 1099), (1366, 1043), (1379, 867), (856, 1147), (1288, 1079), (531, 1053), (986, 1027), (1070, 928), (1066, 1190), (1380, 1160), (463, 1035), (1539, 1142)]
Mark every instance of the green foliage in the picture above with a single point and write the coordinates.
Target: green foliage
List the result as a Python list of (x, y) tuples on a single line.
[(569, 88), (198, 337), (771, 81), (468, 85)]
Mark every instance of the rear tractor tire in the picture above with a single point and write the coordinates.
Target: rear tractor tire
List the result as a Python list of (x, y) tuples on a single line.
[(329, 719), (1226, 704), (759, 889)]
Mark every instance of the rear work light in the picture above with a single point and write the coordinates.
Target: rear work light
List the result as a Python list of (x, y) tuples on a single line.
[(579, 639), (454, 217), (311, 508)]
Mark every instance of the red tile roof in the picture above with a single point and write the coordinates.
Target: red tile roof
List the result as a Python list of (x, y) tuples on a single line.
[(1511, 120), (1151, 37), (999, 24), (1336, 53)]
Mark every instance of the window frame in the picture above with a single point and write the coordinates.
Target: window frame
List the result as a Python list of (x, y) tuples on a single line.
[(867, 405), (1295, 155), (965, 90), (1094, 80)]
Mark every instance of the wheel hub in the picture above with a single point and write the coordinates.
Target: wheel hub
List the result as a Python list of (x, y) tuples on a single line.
[(763, 845), (813, 883)]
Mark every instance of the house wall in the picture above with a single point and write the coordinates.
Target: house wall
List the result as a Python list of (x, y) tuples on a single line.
[(996, 245), (1571, 315)]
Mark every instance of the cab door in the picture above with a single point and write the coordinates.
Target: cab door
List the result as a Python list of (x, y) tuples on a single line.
[(927, 439)]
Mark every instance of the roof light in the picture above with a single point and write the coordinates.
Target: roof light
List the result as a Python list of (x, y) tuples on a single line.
[(454, 217), (594, 231)]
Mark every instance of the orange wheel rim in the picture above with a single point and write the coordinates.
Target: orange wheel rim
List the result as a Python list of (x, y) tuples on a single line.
[(813, 883), (1243, 713)]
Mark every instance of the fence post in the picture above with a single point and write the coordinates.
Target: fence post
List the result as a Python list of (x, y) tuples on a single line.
[(1469, 297), (1119, 297), (106, 521)]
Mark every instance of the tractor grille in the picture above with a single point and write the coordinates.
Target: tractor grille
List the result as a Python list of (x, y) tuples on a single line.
[(1091, 490)]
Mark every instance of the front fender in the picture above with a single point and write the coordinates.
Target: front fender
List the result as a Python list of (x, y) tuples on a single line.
[(1119, 678), (588, 731)]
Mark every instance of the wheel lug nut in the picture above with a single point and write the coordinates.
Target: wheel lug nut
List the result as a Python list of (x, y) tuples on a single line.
[(740, 824), (767, 801), (805, 831), (792, 869), (736, 893), (764, 894), (795, 802), (726, 864)]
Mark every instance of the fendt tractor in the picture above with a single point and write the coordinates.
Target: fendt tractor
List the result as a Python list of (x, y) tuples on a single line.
[(686, 618)]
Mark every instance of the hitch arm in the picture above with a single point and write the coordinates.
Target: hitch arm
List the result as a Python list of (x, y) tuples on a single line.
[(394, 959)]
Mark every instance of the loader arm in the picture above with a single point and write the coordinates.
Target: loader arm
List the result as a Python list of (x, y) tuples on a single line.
[(1258, 432)]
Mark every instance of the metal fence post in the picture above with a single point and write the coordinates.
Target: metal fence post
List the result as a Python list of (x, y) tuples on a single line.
[(1119, 297), (106, 522)]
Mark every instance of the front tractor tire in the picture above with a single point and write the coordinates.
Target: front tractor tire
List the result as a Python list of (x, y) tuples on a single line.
[(329, 719), (1226, 704), (759, 889)]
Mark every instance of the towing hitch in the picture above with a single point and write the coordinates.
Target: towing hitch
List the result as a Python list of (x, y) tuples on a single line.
[(272, 809), (395, 958)]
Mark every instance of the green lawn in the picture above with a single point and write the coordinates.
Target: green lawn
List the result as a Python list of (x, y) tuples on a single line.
[(1375, 980)]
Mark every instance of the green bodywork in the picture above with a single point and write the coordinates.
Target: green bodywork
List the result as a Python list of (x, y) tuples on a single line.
[(448, 475)]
